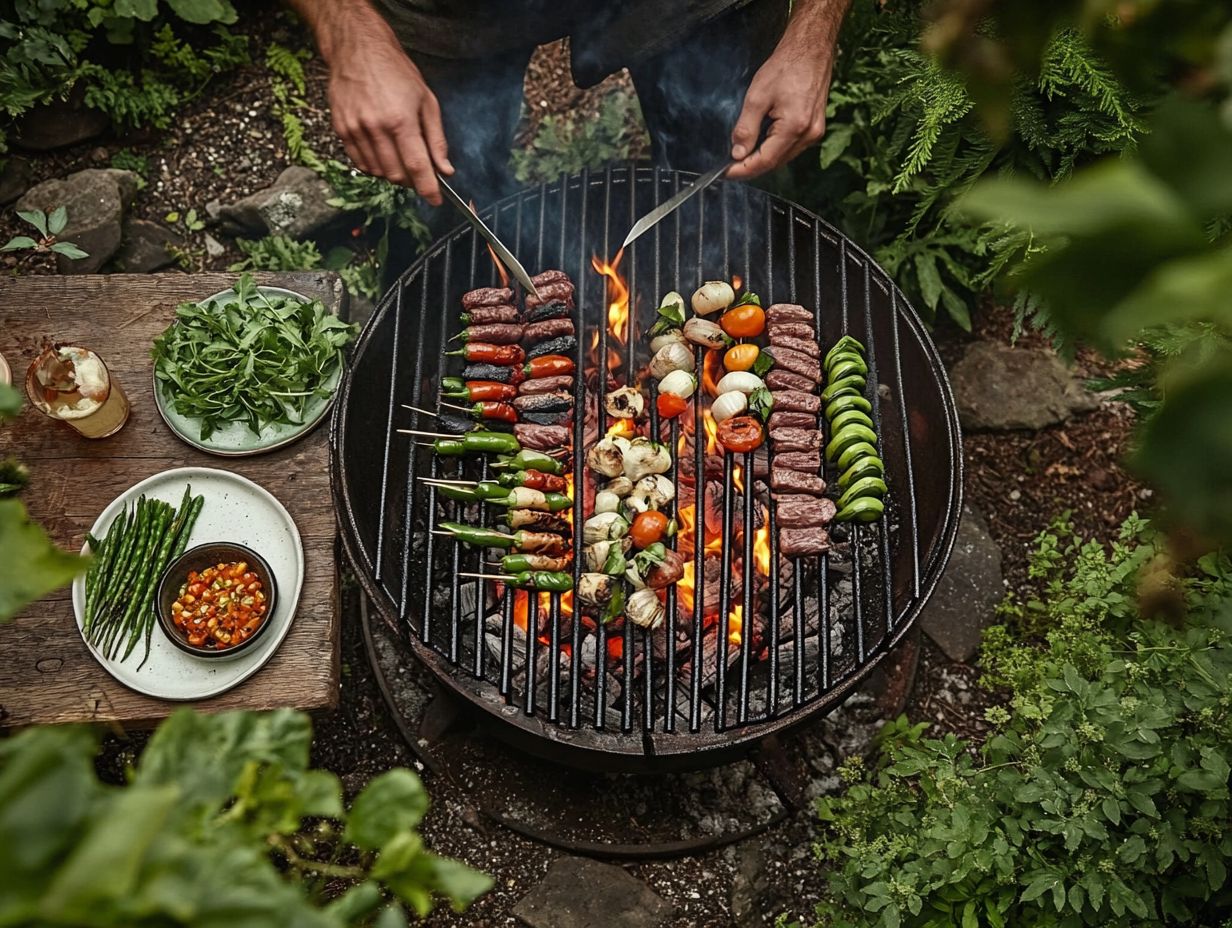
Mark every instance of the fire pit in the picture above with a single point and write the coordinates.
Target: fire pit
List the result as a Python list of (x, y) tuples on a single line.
[(754, 642)]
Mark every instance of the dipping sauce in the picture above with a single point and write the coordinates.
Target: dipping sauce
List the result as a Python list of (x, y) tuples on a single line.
[(220, 607), (72, 384)]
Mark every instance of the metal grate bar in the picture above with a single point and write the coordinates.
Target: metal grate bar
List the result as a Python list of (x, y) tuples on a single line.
[(882, 529), (579, 400), (723, 635), (696, 653), (823, 560), (601, 418), (425, 621), (378, 561), (532, 652), (913, 532)]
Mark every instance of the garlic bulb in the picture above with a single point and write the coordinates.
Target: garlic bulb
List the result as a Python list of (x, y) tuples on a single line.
[(740, 381), (646, 457), (727, 405), (678, 383), (670, 337), (643, 608), (595, 589), (604, 526), (606, 457), (675, 356), (712, 296), (706, 333), (606, 501)]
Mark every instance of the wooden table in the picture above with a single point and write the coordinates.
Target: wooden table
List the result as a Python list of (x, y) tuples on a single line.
[(46, 673)]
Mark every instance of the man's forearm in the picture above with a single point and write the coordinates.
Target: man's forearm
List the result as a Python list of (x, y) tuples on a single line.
[(816, 22), (337, 23)]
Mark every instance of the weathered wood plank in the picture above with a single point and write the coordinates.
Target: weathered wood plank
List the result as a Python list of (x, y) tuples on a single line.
[(46, 672)]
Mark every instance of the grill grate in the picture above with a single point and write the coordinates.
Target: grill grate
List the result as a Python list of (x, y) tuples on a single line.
[(680, 705)]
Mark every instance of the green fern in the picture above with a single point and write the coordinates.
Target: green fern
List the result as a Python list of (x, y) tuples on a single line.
[(288, 65)]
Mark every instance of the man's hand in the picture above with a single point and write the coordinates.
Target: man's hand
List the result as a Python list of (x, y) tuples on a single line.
[(382, 109), (790, 89)]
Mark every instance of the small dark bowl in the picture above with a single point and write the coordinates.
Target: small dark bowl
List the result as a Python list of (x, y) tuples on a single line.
[(198, 559)]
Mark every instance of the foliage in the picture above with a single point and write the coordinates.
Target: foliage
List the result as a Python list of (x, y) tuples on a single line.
[(214, 827), (566, 144), (1101, 797), (905, 139), (128, 160), (48, 228), (276, 253)]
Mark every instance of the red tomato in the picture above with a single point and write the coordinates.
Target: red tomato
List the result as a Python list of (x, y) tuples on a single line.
[(740, 433), (648, 528), (670, 405)]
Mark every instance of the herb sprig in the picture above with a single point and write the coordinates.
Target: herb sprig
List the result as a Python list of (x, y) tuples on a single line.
[(257, 358)]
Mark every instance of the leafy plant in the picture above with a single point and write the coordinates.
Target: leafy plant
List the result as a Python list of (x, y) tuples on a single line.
[(128, 160), (1102, 796), (566, 144), (190, 220), (276, 253), (221, 822), (48, 227)]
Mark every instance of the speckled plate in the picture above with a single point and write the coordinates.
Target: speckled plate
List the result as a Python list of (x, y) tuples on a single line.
[(237, 439), (235, 510)]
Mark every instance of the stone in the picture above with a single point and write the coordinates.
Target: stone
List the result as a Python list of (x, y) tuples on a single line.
[(59, 124), (964, 603), (15, 179), (96, 200), (144, 247), (213, 247), (581, 893), (999, 387), (752, 903), (294, 205)]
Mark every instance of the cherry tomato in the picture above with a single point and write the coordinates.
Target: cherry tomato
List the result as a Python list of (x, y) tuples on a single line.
[(740, 357), (740, 433), (670, 405), (648, 528), (747, 321)]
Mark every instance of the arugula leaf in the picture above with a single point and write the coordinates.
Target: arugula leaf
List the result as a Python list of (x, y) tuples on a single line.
[(748, 298), (615, 564), (765, 361), (761, 403), (646, 559), (671, 316), (616, 605)]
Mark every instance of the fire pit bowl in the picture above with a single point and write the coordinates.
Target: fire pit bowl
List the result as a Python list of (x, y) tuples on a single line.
[(627, 698)]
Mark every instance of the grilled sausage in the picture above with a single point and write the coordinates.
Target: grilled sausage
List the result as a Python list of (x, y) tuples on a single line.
[(787, 312), (806, 346), (538, 521), (564, 344), (546, 384), (543, 543), (550, 276), (547, 328), (484, 315), (496, 333), (785, 380), (792, 330), (487, 296), (783, 480), (794, 439), (797, 511), (552, 310), (541, 437), (807, 462), (794, 542), (666, 572), (796, 401), (552, 401), (782, 419), (549, 417), (796, 362), (561, 290)]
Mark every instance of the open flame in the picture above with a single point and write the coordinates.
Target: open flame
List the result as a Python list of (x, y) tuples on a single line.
[(738, 477), (761, 545), (737, 282), (500, 268), (617, 296), (712, 432), (735, 624)]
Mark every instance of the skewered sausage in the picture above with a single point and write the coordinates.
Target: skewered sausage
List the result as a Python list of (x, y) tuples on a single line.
[(797, 439), (486, 296), (546, 384), (495, 333), (564, 344), (798, 511), (547, 328), (786, 380), (548, 417), (796, 401), (561, 290), (783, 480), (550, 276), (806, 346), (553, 401), (788, 312), (552, 310), (541, 437), (794, 542), (484, 315)]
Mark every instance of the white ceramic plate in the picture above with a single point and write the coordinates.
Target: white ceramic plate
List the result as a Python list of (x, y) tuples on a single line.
[(236, 439), (237, 510)]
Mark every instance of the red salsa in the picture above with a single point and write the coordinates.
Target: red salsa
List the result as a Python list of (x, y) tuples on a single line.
[(220, 607)]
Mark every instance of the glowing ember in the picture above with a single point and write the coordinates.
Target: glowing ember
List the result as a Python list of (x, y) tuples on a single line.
[(735, 624), (738, 477), (761, 545), (712, 371), (617, 295), (521, 607)]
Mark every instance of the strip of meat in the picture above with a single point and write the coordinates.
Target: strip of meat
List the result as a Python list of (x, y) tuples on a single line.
[(783, 419), (807, 462), (549, 417), (549, 276), (487, 296), (783, 480), (546, 384), (786, 380), (538, 521), (795, 542), (562, 344), (792, 329), (796, 439), (796, 401), (795, 511), (547, 328), (552, 401), (553, 310), (559, 290), (796, 362), (806, 346), (496, 333), (541, 437), (787, 312), (484, 315)]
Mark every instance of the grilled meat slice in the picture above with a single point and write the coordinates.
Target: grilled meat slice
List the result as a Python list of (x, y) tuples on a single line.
[(797, 362), (798, 511), (550, 276), (783, 418), (794, 542), (550, 417), (666, 572), (538, 521), (796, 401), (545, 385), (541, 437), (803, 330), (787, 312), (785, 380), (496, 333), (553, 401), (556, 290), (485, 315), (552, 310), (807, 462), (543, 543), (796, 440), (564, 344), (806, 346), (783, 480), (547, 328), (487, 296)]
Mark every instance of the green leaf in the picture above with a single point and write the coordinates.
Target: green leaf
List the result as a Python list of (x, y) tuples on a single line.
[(461, 884), (36, 218), (10, 401), (19, 242), (69, 250), (204, 11), (57, 220), (144, 10), (392, 803), (32, 566), (836, 141)]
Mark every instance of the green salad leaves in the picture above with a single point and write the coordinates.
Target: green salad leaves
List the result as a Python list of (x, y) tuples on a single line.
[(256, 357)]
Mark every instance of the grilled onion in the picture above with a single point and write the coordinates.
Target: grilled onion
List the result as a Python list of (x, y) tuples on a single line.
[(675, 356), (727, 405), (706, 333), (643, 608), (678, 383), (712, 296)]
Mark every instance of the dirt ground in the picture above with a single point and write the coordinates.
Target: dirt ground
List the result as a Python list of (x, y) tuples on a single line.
[(1019, 480)]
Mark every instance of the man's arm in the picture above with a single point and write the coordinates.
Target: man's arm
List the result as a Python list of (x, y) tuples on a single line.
[(381, 107), (791, 89)]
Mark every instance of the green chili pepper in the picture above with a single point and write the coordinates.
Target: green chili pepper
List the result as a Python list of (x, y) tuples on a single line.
[(449, 447), (864, 487), (846, 364), (453, 386), (532, 460), (852, 383), (847, 401), (461, 494), (847, 417), (845, 345), (861, 449), (868, 466), (491, 442), (848, 436), (864, 509), (481, 537), (541, 580)]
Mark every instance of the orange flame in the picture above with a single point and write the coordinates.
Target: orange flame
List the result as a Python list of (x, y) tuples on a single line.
[(617, 295), (712, 432), (711, 372), (500, 268), (738, 477), (622, 428), (735, 624), (737, 281), (761, 545)]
